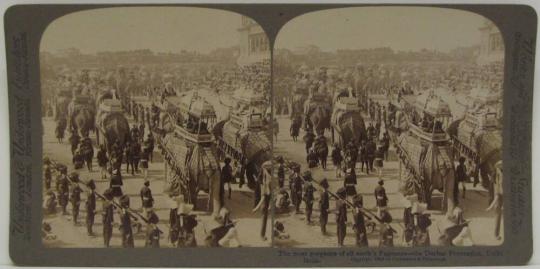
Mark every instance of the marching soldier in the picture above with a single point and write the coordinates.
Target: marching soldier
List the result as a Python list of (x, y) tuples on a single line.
[(386, 235), (152, 231), (147, 200), (341, 216), (173, 219), (136, 156), (62, 187), (312, 159), (90, 207), (350, 183), (116, 183), (125, 223), (129, 159), (359, 222), (296, 189), (308, 195), (75, 197), (144, 162), (324, 205), (108, 216), (141, 131), (87, 151), (381, 199)]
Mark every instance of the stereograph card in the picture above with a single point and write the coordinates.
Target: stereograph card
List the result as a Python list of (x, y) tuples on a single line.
[(270, 134)]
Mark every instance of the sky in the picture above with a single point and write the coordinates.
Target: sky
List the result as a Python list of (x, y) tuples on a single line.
[(160, 29), (400, 28)]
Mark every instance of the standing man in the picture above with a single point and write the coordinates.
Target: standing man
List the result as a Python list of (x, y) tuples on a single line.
[(125, 223), (371, 147), (337, 159), (152, 231), (74, 140), (297, 184), (350, 183), (461, 178), (75, 197), (144, 162), (341, 216), (108, 216), (324, 205), (308, 195), (381, 198), (359, 222), (147, 200), (226, 178), (90, 206), (62, 187)]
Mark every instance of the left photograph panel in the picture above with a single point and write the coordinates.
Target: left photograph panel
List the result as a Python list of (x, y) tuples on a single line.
[(156, 129)]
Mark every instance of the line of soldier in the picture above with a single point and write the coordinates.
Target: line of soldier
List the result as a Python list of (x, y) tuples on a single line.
[(68, 189)]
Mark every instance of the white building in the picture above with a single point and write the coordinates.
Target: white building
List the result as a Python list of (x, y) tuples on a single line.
[(254, 45), (491, 44)]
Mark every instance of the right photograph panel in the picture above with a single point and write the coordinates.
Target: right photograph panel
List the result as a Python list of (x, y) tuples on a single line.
[(388, 129)]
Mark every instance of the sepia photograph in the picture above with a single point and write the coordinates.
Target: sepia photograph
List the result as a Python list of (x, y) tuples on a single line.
[(156, 129), (389, 128)]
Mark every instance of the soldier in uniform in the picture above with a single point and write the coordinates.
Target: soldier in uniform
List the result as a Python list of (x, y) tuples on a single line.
[(349, 183), (144, 162), (364, 160), (62, 187), (359, 222), (152, 231), (381, 199), (135, 156), (107, 216), (90, 206), (296, 189), (125, 223), (386, 234), (129, 158), (147, 200), (75, 197), (308, 195), (371, 147), (87, 151), (324, 205), (341, 216), (116, 183), (141, 131), (312, 159)]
